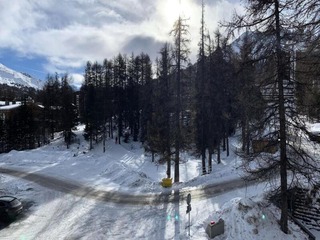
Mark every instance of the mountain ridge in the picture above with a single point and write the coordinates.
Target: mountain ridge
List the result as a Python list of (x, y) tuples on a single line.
[(13, 78)]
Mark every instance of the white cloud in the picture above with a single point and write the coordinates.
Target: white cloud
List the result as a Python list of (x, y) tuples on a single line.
[(70, 32), (76, 79)]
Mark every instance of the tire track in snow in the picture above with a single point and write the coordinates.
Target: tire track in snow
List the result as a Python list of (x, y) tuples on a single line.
[(81, 190)]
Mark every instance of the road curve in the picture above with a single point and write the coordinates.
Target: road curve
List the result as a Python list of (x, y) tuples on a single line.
[(82, 190)]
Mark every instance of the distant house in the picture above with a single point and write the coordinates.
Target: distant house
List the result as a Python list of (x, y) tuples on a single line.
[(6, 107), (269, 88), (308, 83)]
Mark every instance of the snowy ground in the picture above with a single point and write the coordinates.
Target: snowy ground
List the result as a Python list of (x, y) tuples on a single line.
[(51, 214)]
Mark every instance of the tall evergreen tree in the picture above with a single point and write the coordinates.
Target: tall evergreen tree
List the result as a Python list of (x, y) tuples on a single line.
[(145, 93), (68, 111), (88, 93), (20, 128), (220, 98), (250, 103), (159, 128), (278, 19), (26, 126), (120, 80), (107, 100), (97, 113), (51, 102), (201, 100), (180, 53), (135, 93)]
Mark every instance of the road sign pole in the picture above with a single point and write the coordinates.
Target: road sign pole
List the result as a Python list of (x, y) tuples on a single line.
[(189, 209), (189, 224)]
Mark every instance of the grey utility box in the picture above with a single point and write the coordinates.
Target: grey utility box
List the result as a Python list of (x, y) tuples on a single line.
[(215, 229)]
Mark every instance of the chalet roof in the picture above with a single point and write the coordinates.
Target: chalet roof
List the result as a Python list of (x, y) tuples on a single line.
[(16, 105), (11, 106)]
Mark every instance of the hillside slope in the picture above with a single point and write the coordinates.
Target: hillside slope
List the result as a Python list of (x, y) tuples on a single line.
[(17, 79)]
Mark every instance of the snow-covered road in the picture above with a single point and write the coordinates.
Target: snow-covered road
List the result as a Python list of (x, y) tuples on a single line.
[(79, 194), (60, 215), (81, 190)]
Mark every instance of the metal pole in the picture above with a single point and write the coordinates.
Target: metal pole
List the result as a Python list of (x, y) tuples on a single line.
[(189, 224)]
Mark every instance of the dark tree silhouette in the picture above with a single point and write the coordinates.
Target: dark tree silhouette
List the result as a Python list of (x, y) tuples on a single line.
[(277, 32), (180, 52)]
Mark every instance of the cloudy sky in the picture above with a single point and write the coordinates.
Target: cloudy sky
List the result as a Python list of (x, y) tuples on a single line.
[(47, 36)]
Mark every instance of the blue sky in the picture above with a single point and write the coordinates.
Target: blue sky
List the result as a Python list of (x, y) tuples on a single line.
[(32, 65), (48, 36)]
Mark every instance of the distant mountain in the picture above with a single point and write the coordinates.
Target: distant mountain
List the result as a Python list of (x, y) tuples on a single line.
[(254, 37), (17, 79)]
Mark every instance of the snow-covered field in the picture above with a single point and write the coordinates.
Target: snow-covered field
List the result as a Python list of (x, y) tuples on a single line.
[(51, 214)]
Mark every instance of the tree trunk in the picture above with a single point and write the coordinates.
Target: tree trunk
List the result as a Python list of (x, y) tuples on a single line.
[(203, 157), (177, 151), (168, 159), (247, 136), (218, 154), (202, 86), (210, 160), (178, 108), (282, 121), (243, 136), (224, 142), (104, 138), (91, 143), (228, 150)]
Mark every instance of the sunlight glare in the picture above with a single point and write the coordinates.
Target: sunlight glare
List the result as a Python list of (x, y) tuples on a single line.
[(175, 8)]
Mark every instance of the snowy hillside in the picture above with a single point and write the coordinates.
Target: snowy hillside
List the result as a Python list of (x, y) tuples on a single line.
[(13, 78), (76, 194)]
